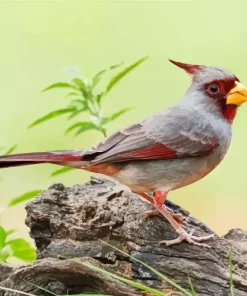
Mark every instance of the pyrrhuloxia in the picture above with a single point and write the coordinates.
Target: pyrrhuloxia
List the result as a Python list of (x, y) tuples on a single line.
[(168, 150)]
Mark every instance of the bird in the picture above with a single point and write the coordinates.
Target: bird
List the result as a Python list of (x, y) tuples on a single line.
[(170, 149)]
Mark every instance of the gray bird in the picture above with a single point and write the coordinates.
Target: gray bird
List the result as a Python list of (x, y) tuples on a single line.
[(168, 150)]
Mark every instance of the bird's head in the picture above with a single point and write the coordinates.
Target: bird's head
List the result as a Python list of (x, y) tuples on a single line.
[(214, 86)]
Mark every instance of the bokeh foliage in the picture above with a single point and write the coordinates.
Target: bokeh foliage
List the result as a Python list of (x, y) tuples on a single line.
[(85, 98)]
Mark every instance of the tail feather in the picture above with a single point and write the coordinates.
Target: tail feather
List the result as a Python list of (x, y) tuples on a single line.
[(57, 157)]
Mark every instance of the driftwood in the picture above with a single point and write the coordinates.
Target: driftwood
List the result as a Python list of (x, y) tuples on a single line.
[(68, 223)]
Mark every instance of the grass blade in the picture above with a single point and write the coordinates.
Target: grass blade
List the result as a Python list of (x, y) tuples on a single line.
[(231, 273), (41, 288), (120, 278), (61, 171), (163, 277), (24, 197), (11, 149), (193, 292)]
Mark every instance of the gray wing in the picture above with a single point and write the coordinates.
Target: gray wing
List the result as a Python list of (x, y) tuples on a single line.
[(172, 133)]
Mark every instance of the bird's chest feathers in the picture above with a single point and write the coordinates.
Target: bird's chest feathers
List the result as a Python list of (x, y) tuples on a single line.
[(225, 135)]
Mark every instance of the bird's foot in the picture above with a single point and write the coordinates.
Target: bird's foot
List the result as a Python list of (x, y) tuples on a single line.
[(177, 217), (150, 213), (189, 238)]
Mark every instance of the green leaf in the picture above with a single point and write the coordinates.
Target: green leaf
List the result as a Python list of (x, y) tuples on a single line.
[(123, 73), (120, 278), (97, 77), (59, 85), (5, 253), (11, 149), (78, 102), (3, 236), (61, 171), (83, 126), (5, 249), (114, 116), (82, 86), (79, 83), (24, 197), (22, 249), (11, 231), (74, 114), (79, 105), (84, 129), (99, 97), (73, 94), (51, 115)]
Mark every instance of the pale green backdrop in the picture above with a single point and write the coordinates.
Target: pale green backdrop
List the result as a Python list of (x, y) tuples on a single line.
[(41, 40)]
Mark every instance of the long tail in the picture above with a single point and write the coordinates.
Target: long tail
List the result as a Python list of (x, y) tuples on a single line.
[(68, 157)]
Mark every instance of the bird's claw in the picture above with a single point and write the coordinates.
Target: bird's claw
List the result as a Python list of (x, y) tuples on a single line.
[(189, 238), (150, 213), (178, 217)]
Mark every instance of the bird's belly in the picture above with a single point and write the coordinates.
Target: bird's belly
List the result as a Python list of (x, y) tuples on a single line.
[(165, 175)]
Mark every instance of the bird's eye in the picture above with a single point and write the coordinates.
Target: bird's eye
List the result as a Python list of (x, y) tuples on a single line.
[(213, 88)]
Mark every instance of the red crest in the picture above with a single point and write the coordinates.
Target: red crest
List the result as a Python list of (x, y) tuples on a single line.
[(190, 69)]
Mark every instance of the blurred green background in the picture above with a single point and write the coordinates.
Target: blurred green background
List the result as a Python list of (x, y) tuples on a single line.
[(41, 41)]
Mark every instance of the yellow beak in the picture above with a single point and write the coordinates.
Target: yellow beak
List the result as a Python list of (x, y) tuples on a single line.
[(237, 95)]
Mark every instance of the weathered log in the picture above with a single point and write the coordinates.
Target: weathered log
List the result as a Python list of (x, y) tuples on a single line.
[(67, 222), (60, 277)]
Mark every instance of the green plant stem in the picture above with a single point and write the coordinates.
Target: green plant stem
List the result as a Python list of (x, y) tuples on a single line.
[(95, 110), (103, 131)]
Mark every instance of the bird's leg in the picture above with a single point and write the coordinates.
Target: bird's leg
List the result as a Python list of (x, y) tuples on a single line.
[(160, 197), (183, 235), (178, 217)]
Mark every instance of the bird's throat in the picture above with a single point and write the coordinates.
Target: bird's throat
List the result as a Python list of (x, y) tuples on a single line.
[(230, 112)]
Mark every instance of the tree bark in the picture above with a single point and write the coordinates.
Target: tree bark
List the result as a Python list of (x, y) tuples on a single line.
[(67, 222)]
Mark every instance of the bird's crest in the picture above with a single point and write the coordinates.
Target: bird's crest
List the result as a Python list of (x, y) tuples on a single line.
[(189, 68)]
